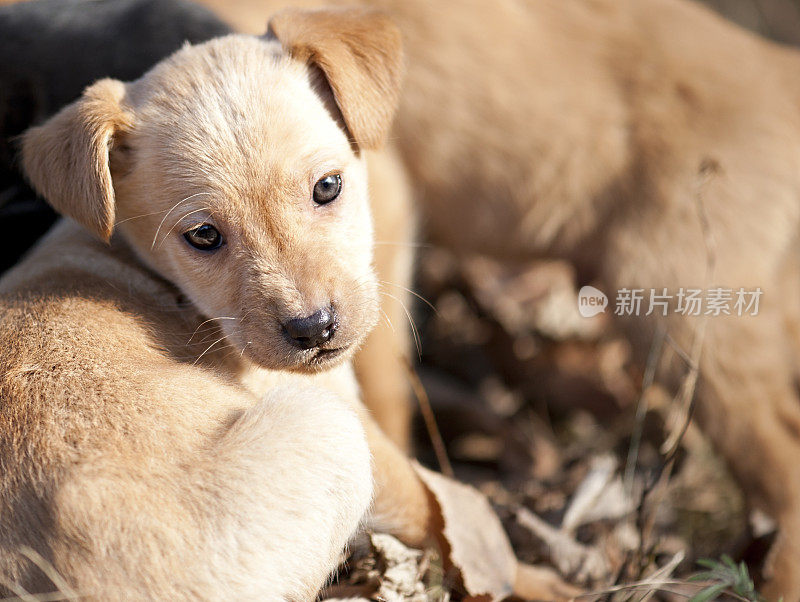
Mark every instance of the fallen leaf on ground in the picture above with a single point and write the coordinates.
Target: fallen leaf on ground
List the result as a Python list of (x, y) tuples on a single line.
[(478, 545)]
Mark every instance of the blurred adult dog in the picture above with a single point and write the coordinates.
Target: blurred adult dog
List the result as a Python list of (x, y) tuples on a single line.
[(654, 145), (179, 419)]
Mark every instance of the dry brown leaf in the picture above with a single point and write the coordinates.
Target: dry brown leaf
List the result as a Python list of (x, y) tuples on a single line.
[(479, 547)]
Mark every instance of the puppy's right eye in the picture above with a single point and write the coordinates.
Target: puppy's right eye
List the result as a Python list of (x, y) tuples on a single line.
[(204, 238), (327, 189)]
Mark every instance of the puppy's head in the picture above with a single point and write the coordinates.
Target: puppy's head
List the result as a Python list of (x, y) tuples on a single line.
[(235, 170)]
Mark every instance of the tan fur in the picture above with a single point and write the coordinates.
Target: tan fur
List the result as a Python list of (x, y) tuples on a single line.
[(78, 183), (160, 438), (366, 92), (381, 363), (359, 52), (598, 131)]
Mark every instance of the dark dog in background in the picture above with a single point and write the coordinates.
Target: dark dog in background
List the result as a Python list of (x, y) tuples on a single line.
[(50, 51)]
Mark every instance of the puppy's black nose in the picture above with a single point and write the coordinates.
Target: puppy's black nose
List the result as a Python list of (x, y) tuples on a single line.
[(312, 331)]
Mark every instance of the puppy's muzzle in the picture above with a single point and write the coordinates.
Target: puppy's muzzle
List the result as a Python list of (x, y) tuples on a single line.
[(312, 331)]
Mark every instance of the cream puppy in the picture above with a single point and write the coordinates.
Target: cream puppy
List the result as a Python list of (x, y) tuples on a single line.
[(167, 430)]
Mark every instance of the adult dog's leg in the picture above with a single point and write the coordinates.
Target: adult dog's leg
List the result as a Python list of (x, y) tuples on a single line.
[(749, 406), (262, 512), (708, 231), (380, 364)]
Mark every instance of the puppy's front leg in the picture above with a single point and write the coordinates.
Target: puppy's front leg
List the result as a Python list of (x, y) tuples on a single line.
[(402, 504), (406, 508)]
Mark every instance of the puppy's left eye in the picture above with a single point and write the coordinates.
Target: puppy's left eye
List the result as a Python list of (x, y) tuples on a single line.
[(204, 238), (327, 189)]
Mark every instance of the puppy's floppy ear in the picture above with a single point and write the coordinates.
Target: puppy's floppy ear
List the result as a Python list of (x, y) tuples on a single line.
[(66, 158), (360, 53)]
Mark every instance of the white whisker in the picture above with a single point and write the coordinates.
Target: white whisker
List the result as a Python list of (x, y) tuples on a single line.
[(389, 243), (387, 320), (206, 322), (416, 294), (414, 331), (207, 350), (153, 244), (127, 219), (184, 216)]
